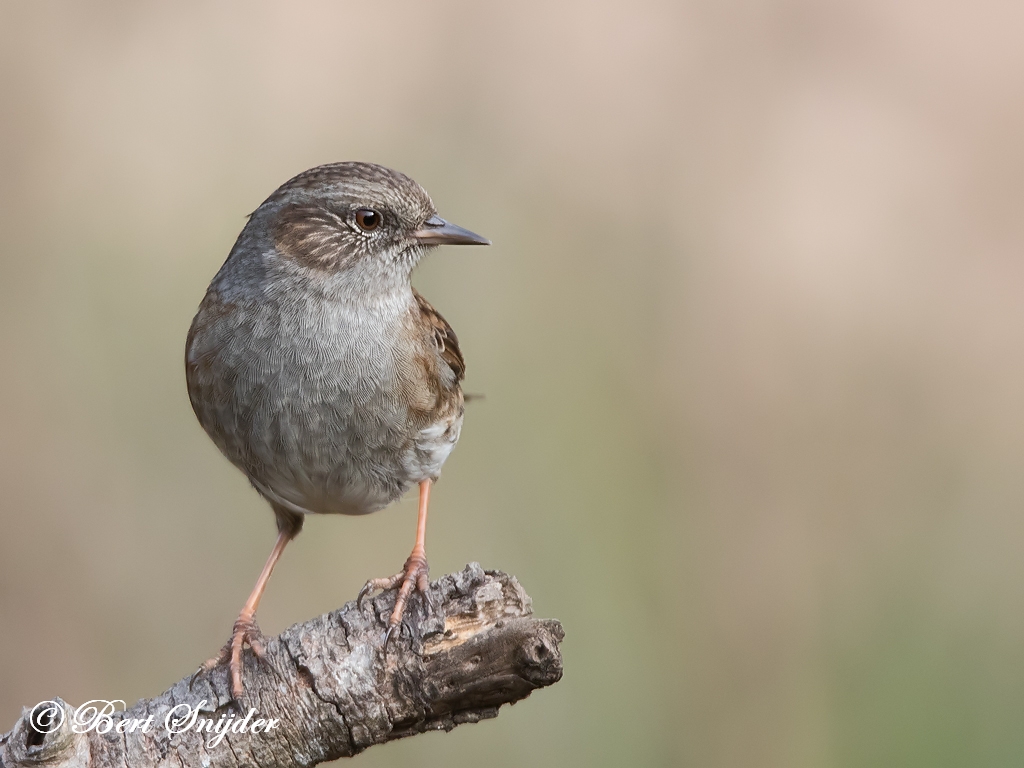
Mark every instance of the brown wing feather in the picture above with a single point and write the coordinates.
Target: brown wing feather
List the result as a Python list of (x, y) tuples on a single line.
[(444, 337)]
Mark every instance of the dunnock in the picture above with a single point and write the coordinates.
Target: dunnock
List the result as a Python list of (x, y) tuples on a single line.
[(320, 372)]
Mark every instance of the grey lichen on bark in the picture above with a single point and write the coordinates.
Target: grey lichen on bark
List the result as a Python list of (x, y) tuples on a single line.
[(329, 686)]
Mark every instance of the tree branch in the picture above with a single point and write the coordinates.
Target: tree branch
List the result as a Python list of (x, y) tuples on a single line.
[(326, 685)]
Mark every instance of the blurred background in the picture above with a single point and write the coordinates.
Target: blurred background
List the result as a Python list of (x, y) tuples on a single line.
[(750, 336)]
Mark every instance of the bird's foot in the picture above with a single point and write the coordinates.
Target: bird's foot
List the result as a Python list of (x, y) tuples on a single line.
[(245, 632), (415, 574)]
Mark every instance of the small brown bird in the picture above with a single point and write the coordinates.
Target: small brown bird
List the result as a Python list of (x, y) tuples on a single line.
[(320, 372)]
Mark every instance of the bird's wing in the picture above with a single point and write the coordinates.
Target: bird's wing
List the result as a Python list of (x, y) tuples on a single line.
[(444, 337)]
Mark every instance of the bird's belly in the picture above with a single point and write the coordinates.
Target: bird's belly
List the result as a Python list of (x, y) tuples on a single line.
[(324, 471), (318, 424), (354, 468), (324, 449)]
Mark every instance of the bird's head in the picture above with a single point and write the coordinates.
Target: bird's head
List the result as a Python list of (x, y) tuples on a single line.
[(360, 223)]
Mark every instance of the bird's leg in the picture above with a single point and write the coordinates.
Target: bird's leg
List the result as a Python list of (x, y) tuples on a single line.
[(245, 629), (413, 575)]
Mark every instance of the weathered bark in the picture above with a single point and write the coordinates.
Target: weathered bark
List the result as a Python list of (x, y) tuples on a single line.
[(330, 686)]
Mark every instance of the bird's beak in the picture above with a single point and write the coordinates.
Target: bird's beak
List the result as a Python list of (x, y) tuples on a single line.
[(437, 231)]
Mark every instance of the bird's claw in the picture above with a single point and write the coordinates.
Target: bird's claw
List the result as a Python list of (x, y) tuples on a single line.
[(387, 639), (403, 625), (372, 585), (415, 575), (244, 632)]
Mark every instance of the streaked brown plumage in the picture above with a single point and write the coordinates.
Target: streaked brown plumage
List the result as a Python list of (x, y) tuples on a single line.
[(317, 369)]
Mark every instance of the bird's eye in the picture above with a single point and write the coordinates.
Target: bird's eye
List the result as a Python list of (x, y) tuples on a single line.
[(368, 219)]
